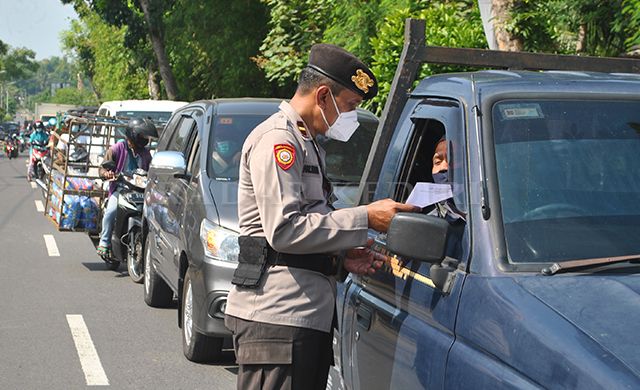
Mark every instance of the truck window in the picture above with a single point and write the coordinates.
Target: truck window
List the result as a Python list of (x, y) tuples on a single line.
[(441, 121)]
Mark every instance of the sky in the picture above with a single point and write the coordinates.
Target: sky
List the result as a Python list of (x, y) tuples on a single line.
[(35, 24)]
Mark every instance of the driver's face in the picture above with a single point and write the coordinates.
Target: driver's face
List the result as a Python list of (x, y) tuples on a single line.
[(440, 162)]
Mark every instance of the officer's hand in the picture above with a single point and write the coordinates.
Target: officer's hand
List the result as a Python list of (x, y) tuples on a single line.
[(382, 211), (363, 261)]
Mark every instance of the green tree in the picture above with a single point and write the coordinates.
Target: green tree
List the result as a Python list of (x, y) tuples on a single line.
[(144, 21), (103, 56), (591, 27), (448, 23), (74, 96), (629, 23), (211, 46)]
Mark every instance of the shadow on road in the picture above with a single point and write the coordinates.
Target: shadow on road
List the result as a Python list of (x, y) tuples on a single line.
[(102, 266)]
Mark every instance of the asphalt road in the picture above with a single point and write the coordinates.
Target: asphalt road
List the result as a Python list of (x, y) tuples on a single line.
[(46, 302)]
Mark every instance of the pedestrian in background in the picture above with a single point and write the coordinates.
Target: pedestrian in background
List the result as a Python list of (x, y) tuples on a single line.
[(293, 243)]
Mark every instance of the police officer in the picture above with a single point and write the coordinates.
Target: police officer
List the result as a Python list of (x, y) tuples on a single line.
[(292, 241)]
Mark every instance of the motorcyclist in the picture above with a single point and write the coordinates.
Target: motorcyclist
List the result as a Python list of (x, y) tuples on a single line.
[(39, 138), (128, 155)]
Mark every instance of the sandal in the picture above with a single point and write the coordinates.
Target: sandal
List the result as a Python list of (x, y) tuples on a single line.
[(104, 252)]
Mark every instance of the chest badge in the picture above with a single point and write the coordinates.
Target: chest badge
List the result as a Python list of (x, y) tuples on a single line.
[(285, 155)]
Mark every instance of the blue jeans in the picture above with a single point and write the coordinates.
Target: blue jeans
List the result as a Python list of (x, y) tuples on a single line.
[(108, 219)]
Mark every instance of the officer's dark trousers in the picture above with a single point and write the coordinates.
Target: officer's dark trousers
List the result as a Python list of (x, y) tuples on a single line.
[(280, 357)]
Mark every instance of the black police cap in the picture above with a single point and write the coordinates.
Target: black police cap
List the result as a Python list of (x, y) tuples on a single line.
[(344, 68)]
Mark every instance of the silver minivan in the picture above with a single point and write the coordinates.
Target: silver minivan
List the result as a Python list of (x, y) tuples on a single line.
[(190, 218)]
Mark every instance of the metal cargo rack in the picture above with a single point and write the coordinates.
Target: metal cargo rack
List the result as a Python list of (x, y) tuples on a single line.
[(79, 179)]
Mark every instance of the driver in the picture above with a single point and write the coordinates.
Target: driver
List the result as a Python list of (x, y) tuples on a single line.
[(127, 155), (226, 152), (446, 209)]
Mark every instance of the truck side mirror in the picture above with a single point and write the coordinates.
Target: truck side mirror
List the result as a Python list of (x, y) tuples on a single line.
[(418, 237), (168, 163)]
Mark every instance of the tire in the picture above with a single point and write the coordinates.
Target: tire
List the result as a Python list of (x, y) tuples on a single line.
[(156, 291), (135, 260), (196, 346)]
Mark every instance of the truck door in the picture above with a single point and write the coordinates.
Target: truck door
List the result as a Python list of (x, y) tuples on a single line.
[(398, 327)]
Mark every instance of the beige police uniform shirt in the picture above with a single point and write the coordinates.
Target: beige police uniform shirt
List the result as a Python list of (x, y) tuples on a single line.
[(280, 199)]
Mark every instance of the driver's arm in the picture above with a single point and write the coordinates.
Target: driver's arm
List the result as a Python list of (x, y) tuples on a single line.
[(107, 157)]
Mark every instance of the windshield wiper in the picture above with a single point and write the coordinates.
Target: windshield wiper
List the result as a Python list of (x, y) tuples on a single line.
[(339, 180), (574, 265)]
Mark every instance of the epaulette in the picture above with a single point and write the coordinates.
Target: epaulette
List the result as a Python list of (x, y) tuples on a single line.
[(302, 129)]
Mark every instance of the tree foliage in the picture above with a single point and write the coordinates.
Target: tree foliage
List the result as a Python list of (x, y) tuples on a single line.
[(568, 26), (103, 56), (211, 47)]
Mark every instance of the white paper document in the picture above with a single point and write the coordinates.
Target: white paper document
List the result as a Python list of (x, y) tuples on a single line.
[(425, 194)]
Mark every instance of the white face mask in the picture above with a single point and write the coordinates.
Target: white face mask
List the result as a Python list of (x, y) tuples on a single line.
[(345, 125)]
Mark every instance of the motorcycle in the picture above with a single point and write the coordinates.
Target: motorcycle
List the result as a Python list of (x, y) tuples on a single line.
[(126, 239), (39, 152), (10, 148)]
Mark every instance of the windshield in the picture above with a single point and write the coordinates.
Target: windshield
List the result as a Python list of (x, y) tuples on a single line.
[(227, 136), (156, 116), (569, 178)]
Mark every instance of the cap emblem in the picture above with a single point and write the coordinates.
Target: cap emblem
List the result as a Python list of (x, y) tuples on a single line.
[(362, 81)]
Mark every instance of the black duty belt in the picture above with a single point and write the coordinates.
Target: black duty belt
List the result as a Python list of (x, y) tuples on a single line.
[(323, 263)]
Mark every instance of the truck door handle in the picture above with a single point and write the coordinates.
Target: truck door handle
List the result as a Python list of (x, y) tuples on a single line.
[(363, 316)]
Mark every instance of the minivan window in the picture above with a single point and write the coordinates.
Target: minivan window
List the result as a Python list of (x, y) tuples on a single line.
[(568, 177), (180, 137), (225, 143)]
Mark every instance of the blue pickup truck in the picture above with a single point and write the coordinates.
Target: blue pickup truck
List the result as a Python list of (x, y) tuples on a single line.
[(544, 291)]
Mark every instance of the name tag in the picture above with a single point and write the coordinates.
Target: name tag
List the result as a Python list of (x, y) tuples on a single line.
[(311, 169)]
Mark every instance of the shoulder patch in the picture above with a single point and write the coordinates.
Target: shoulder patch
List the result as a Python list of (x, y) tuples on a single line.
[(285, 155)]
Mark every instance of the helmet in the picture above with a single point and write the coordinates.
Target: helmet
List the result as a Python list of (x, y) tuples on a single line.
[(39, 126), (139, 130)]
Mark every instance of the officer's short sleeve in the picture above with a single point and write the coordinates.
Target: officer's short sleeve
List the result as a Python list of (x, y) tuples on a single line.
[(276, 163)]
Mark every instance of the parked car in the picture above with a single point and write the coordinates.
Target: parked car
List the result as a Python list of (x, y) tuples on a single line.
[(190, 218), (545, 290)]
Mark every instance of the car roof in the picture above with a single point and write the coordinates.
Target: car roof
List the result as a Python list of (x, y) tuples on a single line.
[(494, 82), (143, 105)]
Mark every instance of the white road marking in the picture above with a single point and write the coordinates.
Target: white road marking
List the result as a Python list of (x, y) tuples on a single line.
[(94, 374), (52, 248), (39, 206), (34, 185)]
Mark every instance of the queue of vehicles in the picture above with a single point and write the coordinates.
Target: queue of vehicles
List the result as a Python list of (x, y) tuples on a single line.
[(542, 164)]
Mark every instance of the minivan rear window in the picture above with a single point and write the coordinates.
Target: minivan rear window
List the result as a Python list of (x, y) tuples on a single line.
[(226, 139)]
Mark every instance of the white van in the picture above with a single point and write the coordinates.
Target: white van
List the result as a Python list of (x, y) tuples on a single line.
[(156, 110)]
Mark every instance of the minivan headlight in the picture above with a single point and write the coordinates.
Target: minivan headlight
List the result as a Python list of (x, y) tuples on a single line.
[(218, 242)]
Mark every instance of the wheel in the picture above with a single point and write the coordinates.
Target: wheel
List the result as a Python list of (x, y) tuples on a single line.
[(156, 291), (135, 259), (196, 346)]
